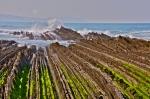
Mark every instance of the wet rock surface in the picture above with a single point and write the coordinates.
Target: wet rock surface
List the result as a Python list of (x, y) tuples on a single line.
[(59, 34), (96, 66)]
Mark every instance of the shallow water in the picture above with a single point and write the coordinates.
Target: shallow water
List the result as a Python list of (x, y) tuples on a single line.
[(28, 42)]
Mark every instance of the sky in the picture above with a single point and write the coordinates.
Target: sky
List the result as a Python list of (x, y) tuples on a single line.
[(80, 10)]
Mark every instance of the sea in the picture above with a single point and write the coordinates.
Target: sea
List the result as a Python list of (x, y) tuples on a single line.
[(133, 30)]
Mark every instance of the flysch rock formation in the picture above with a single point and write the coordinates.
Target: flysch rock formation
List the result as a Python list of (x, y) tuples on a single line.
[(97, 66)]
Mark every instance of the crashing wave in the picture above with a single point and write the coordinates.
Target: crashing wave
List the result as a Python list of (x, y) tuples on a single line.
[(132, 34), (54, 23), (37, 35), (37, 31)]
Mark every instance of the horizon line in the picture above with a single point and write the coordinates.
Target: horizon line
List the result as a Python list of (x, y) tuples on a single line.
[(78, 20)]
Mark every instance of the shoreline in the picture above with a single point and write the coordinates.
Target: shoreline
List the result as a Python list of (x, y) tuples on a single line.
[(96, 66)]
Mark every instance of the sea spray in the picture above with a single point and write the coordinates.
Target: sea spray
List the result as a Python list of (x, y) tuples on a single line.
[(23, 36), (54, 23)]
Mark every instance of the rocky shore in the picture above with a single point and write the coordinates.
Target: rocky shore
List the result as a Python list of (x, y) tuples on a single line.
[(59, 34), (97, 66)]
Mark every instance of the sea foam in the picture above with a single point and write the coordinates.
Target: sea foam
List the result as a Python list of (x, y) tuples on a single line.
[(36, 30)]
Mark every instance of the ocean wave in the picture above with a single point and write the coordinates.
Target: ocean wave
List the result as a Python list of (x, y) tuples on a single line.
[(132, 34), (37, 30), (36, 27)]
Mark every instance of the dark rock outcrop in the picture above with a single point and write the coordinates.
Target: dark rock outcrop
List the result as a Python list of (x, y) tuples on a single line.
[(67, 34)]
